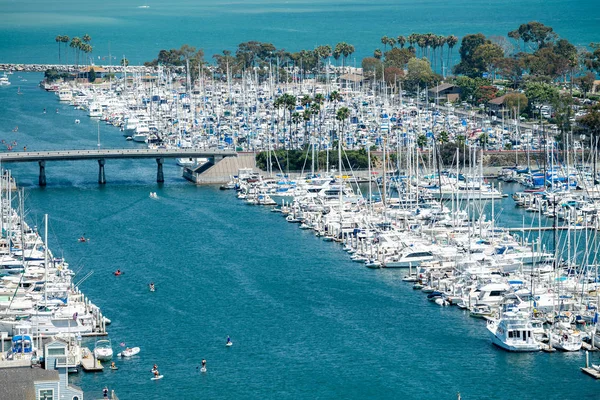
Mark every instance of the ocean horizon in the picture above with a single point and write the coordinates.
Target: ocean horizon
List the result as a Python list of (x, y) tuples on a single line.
[(139, 29)]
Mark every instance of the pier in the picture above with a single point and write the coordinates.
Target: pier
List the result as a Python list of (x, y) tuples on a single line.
[(101, 155)]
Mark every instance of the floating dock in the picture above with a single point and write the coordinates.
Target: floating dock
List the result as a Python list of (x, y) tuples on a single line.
[(90, 364), (594, 373)]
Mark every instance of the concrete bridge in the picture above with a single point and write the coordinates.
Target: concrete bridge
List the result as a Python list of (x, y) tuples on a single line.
[(101, 155)]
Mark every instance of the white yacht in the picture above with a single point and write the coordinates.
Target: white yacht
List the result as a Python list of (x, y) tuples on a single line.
[(408, 257), (513, 332), (130, 125), (4, 80), (141, 132), (65, 94), (95, 110)]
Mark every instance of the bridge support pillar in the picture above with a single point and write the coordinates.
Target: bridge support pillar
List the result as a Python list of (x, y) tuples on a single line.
[(101, 177), (42, 179), (160, 177)]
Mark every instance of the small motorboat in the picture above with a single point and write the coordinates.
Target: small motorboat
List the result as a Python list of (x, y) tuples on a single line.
[(103, 350), (153, 195), (129, 352), (77, 121)]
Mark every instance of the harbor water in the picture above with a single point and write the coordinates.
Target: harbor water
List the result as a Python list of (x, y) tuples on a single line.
[(140, 29), (306, 322)]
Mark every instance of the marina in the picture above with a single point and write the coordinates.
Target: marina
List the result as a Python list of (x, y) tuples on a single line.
[(413, 215), (281, 234)]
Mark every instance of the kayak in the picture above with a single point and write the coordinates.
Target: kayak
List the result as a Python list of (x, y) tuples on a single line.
[(128, 353)]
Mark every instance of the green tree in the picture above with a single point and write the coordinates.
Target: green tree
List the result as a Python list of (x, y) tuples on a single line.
[(419, 74), (372, 67), (511, 68), (92, 75), (398, 57), (124, 62), (563, 112), (590, 122), (586, 83), (516, 102), (393, 76), (421, 141), (486, 55), (468, 65), (540, 93), (535, 34)]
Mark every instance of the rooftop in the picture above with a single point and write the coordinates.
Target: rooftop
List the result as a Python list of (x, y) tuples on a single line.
[(18, 383)]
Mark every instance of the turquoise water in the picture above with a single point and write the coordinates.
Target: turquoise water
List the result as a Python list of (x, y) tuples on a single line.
[(305, 321), (28, 27)]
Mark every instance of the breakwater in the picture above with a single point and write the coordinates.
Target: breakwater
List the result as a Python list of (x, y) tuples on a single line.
[(70, 68)]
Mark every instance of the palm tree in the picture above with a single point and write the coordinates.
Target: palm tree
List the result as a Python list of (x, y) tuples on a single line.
[(384, 42), (124, 62), (451, 42), (392, 42), (315, 110), (295, 118), (422, 43), (348, 50), (401, 41), (65, 40), (306, 117), (337, 51), (76, 46), (58, 39), (289, 102), (86, 38), (441, 40), (305, 101), (342, 115), (377, 54)]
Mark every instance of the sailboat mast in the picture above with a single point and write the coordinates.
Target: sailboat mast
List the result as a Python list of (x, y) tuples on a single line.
[(45, 260)]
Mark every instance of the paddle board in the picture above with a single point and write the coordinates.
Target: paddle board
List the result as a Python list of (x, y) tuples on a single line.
[(229, 344), (203, 369), (157, 378), (114, 368)]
